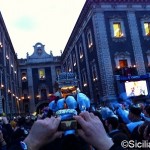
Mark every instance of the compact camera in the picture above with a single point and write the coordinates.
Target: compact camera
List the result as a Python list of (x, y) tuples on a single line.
[(67, 121)]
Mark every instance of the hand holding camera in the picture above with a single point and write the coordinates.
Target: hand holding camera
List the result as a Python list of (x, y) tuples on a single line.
[(92, 131)]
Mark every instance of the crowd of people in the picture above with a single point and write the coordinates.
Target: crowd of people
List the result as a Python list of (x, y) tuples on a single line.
[(108, 126)]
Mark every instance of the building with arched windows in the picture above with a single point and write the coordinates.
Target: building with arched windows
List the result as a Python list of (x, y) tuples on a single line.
[(37, 78), (9, 87), (109, 49)]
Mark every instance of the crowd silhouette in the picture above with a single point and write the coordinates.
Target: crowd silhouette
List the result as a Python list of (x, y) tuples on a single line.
[(103, 126)]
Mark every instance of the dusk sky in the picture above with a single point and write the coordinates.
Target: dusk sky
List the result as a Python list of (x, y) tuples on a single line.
[(47, 21)]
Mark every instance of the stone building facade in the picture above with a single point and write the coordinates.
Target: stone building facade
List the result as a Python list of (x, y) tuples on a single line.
[(109, 47), (37, 78), (9, 87)]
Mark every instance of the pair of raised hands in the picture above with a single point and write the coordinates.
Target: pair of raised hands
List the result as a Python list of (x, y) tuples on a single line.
[(92, 131)]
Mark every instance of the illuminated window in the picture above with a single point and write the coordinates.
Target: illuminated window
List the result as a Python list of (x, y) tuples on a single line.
[(94, 72), (123, 63), (117, 29), (147, 28), (41, 74), (24, 76), (80, 51), (69, 67), (90, 40), (74, 60), (84, 79)]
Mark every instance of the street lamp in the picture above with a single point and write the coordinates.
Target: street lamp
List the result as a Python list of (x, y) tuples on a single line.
[(1, 67)]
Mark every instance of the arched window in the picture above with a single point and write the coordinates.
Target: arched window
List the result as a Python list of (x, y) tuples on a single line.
[(90, 39), (74, 60), (80, 50)]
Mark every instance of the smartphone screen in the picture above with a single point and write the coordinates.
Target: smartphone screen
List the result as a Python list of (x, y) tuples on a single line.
[(68, 125)]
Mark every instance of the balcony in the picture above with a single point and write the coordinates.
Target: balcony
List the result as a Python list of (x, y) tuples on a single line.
[(126, 71)]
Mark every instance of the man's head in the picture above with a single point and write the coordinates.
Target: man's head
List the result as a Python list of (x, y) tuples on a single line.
[(134, 113), (112, 123)]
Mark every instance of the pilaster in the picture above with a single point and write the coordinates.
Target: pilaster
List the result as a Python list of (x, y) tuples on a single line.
[(87, 67), (31, 91), (104, 59), (136, 43)]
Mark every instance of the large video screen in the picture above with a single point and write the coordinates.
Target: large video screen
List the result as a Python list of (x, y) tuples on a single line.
[(136, 88)]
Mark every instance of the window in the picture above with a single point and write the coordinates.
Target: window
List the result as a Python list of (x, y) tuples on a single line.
[(147, 28), (123, 63), (122, 59), (43, 94), (117, 30), (84, 79), (24, 76), (69, 67), (74, 60), (94, 72), (41, 74), (80, 51), (89, 38)]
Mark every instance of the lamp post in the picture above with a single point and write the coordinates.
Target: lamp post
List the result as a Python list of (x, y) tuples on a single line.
[(1, 67)]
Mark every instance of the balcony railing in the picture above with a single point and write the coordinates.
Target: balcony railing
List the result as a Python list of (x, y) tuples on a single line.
[(126, 71)]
